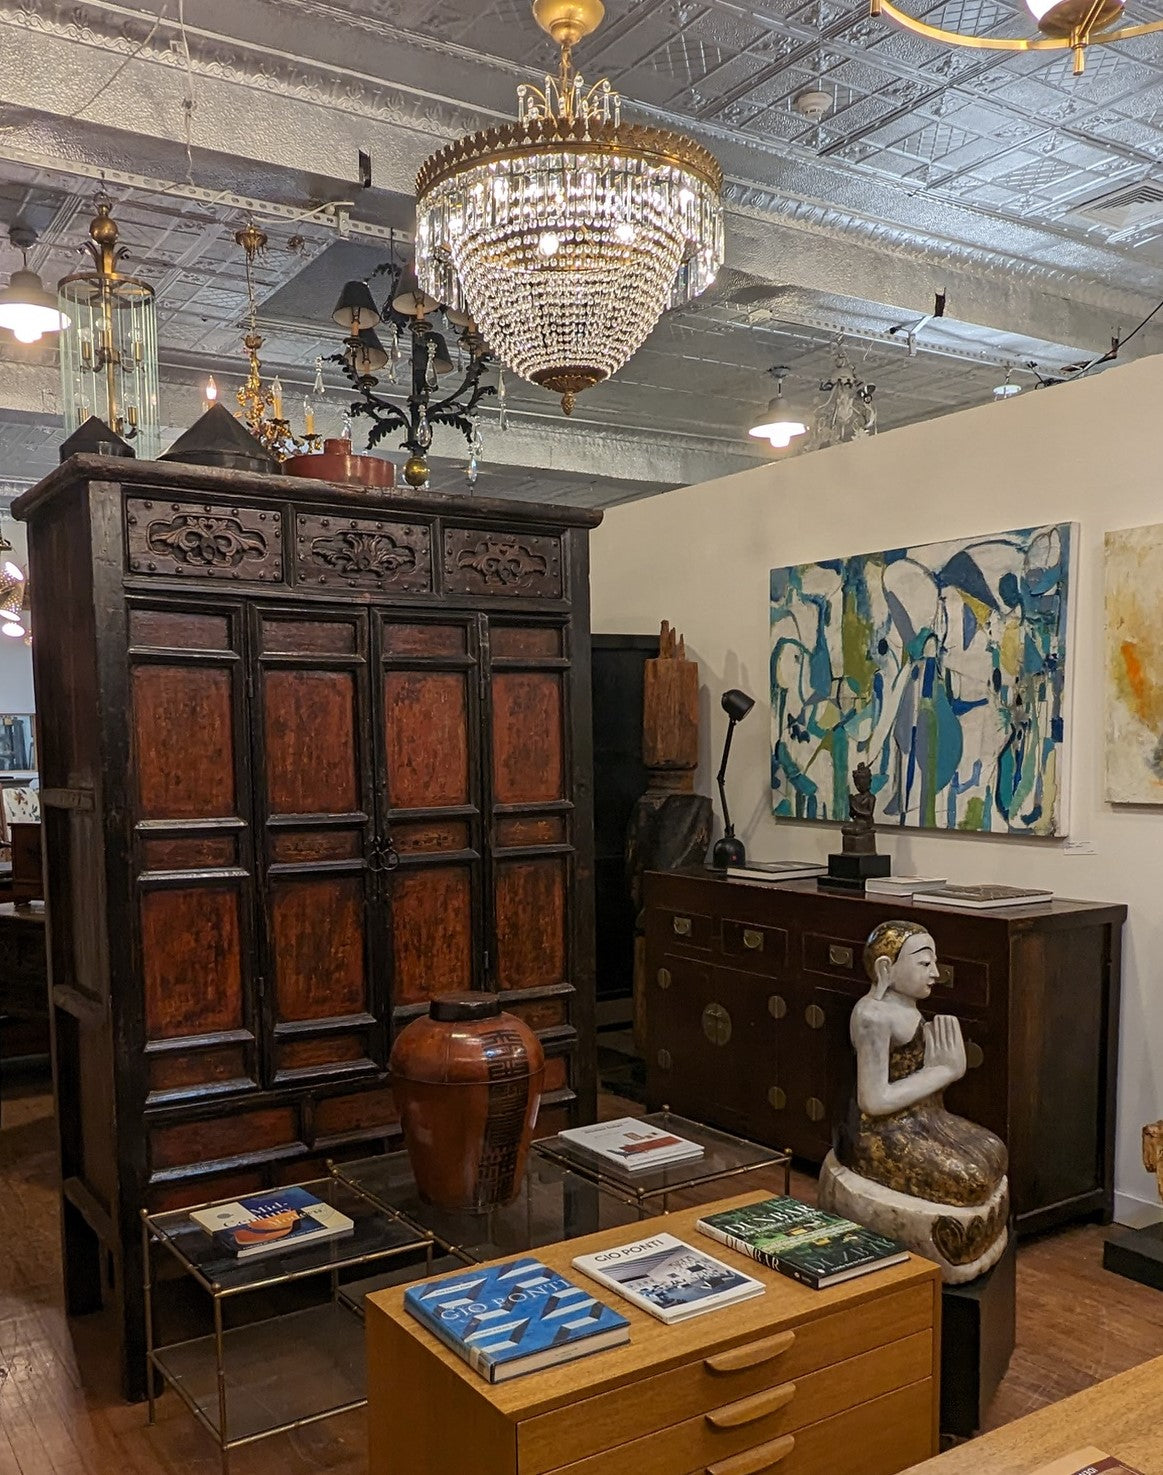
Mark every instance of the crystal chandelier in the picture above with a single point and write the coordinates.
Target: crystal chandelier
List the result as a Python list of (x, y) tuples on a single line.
[(848, 412), (567, 234)]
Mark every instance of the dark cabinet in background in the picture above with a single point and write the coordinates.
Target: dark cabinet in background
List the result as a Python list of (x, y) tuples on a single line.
[(310, 756), (750, 988)]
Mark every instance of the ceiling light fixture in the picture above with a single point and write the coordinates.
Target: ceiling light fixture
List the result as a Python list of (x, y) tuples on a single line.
[(27, 309), (568, 233), (847, 412), (1007, 388), (1066, 25), (783, 420)]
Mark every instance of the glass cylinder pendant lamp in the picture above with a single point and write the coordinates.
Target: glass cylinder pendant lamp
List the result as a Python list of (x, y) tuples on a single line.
[(109, 364)]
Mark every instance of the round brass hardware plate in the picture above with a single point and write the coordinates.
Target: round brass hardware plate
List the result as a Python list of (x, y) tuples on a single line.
[(974, 1055), (664, 1060), (777, 1006), (664, 978), (753, 939), (814, 1016), (682, 926), (716, 1024), (814, 1108), (777, 1096)]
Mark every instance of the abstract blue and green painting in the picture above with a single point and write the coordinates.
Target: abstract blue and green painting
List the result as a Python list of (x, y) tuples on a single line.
[(943, 666)]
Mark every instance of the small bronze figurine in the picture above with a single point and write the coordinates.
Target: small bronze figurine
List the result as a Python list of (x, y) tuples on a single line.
[(860, 833)]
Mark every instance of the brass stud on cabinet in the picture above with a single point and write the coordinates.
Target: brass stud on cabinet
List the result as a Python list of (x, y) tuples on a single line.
[(814, 1108), (664, 979), (716, 1024), (974, 1055), (777, 1006), (814, 1016), (777, 1097)]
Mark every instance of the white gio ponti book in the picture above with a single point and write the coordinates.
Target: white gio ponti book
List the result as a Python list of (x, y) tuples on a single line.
[(633, 1145), (669, 1278)]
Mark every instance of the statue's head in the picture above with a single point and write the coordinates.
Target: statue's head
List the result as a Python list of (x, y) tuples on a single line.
[(901, 956), (862, 778)]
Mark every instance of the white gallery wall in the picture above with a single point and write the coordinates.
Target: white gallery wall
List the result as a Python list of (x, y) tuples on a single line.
[(1089, 452)]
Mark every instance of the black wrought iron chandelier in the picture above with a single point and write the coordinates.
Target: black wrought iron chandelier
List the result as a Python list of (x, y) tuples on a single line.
[(417, 358)]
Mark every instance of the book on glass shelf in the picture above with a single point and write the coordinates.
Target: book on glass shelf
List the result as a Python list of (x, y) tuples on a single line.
[(632, 1145), (817, 1249), (775, 870), (514, 1318), (265, 1223), (1089, 1461), (981, 898), (669, 1278), (901, 885)]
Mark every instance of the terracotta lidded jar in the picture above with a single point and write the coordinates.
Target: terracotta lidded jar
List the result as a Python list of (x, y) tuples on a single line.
[(467, 1080)]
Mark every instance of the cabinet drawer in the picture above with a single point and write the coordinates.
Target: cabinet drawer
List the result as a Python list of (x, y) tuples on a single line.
[(679, 929), (723, 1376), (757, 1418), (962, 982), (756, 948), (877, 1438)]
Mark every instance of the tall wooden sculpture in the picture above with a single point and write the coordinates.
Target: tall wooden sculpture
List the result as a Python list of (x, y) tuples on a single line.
[(671, 824)]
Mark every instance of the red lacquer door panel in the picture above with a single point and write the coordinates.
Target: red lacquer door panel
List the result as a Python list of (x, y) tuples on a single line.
[(193, 849), (431, 796), (323, 989)]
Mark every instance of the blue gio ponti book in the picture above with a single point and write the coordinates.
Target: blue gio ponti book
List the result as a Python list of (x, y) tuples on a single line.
[(263, 1223), (515, 1318)]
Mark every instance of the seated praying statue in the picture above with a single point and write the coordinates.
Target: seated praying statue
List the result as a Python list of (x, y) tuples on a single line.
[(902, 1164)]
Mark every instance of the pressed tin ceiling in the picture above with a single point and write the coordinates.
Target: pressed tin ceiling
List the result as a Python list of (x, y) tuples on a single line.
[(983, 175)]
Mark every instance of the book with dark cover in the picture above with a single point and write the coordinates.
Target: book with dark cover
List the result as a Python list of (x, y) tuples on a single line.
[(984, 897), (815, 1248), (266, 1223), (1089, 1461), (519, 1317)]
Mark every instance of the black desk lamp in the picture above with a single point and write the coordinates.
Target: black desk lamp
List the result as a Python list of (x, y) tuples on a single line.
[(729, 851)]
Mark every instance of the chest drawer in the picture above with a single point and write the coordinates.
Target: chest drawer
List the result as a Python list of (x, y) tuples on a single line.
[(568, 1436), (672, 928), (961, 983), (757, 1418), (752, 946)]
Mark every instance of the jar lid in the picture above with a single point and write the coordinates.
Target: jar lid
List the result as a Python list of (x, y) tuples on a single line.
[(464, 1006)]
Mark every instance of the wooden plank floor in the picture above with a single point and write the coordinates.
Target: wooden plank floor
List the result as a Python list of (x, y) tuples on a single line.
[(60, 1412)]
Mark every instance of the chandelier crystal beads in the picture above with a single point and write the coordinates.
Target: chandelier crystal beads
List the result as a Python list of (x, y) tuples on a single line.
[(567, 234)]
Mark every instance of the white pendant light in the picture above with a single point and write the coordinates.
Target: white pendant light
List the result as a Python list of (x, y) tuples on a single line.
[(27, 309), (783, 420)]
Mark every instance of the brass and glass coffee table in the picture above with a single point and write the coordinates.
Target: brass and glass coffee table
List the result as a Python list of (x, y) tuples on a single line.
[(247, 1381), (650, 1191)]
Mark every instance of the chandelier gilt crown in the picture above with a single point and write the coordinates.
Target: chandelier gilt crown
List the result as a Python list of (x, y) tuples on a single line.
[(568, 233)]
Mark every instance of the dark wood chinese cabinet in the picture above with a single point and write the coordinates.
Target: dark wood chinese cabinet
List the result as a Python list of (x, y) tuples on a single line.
[(308, 757), (750, 989)]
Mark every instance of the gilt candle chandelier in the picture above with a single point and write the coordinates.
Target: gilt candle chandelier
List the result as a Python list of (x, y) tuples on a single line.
[(567, 234)]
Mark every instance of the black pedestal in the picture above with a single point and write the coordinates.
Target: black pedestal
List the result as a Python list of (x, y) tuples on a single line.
[(849, 872), (1136, 1253), (977, 1338)]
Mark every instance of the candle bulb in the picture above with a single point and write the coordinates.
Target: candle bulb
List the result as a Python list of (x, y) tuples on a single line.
[(277, 399), (131, 415), (308, 418), (210, 394)]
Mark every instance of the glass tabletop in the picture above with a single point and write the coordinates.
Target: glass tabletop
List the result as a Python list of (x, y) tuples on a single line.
[(553, 1204), (723, 1156), (376, 1235)]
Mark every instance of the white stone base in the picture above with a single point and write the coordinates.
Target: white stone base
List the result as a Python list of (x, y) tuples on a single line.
[(912, 1220)]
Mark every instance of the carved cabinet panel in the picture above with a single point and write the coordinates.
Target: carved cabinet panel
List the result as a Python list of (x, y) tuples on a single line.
[(481, 562), (206, 542), (363, 553)]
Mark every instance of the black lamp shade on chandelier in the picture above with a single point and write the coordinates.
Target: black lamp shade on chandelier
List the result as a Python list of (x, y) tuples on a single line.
[(730, 851), (371, 354), (356, 309)]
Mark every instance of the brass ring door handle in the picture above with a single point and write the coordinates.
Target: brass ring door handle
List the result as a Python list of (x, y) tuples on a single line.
[(682, 926), (753, 939)]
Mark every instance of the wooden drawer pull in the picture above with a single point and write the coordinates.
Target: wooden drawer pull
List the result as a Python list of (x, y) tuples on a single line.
[(735, 1359), (755, 1461), (753, 939), (747, 1410)]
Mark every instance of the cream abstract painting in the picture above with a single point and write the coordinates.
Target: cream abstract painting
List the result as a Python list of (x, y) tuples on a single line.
[(1134, 665)]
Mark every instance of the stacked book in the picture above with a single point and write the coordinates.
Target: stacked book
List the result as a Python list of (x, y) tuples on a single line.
[(632, 1145), (265, 1223), (669, 1278), (817, 1249), (901, 885), (775, 870), (982, 898)]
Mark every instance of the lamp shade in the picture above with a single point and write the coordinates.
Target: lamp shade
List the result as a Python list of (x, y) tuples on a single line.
[(441, 361), (782, 421), (1061, 17), (370, 354), (737, 704), (410, 298), (27, 310), (356, 307)]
